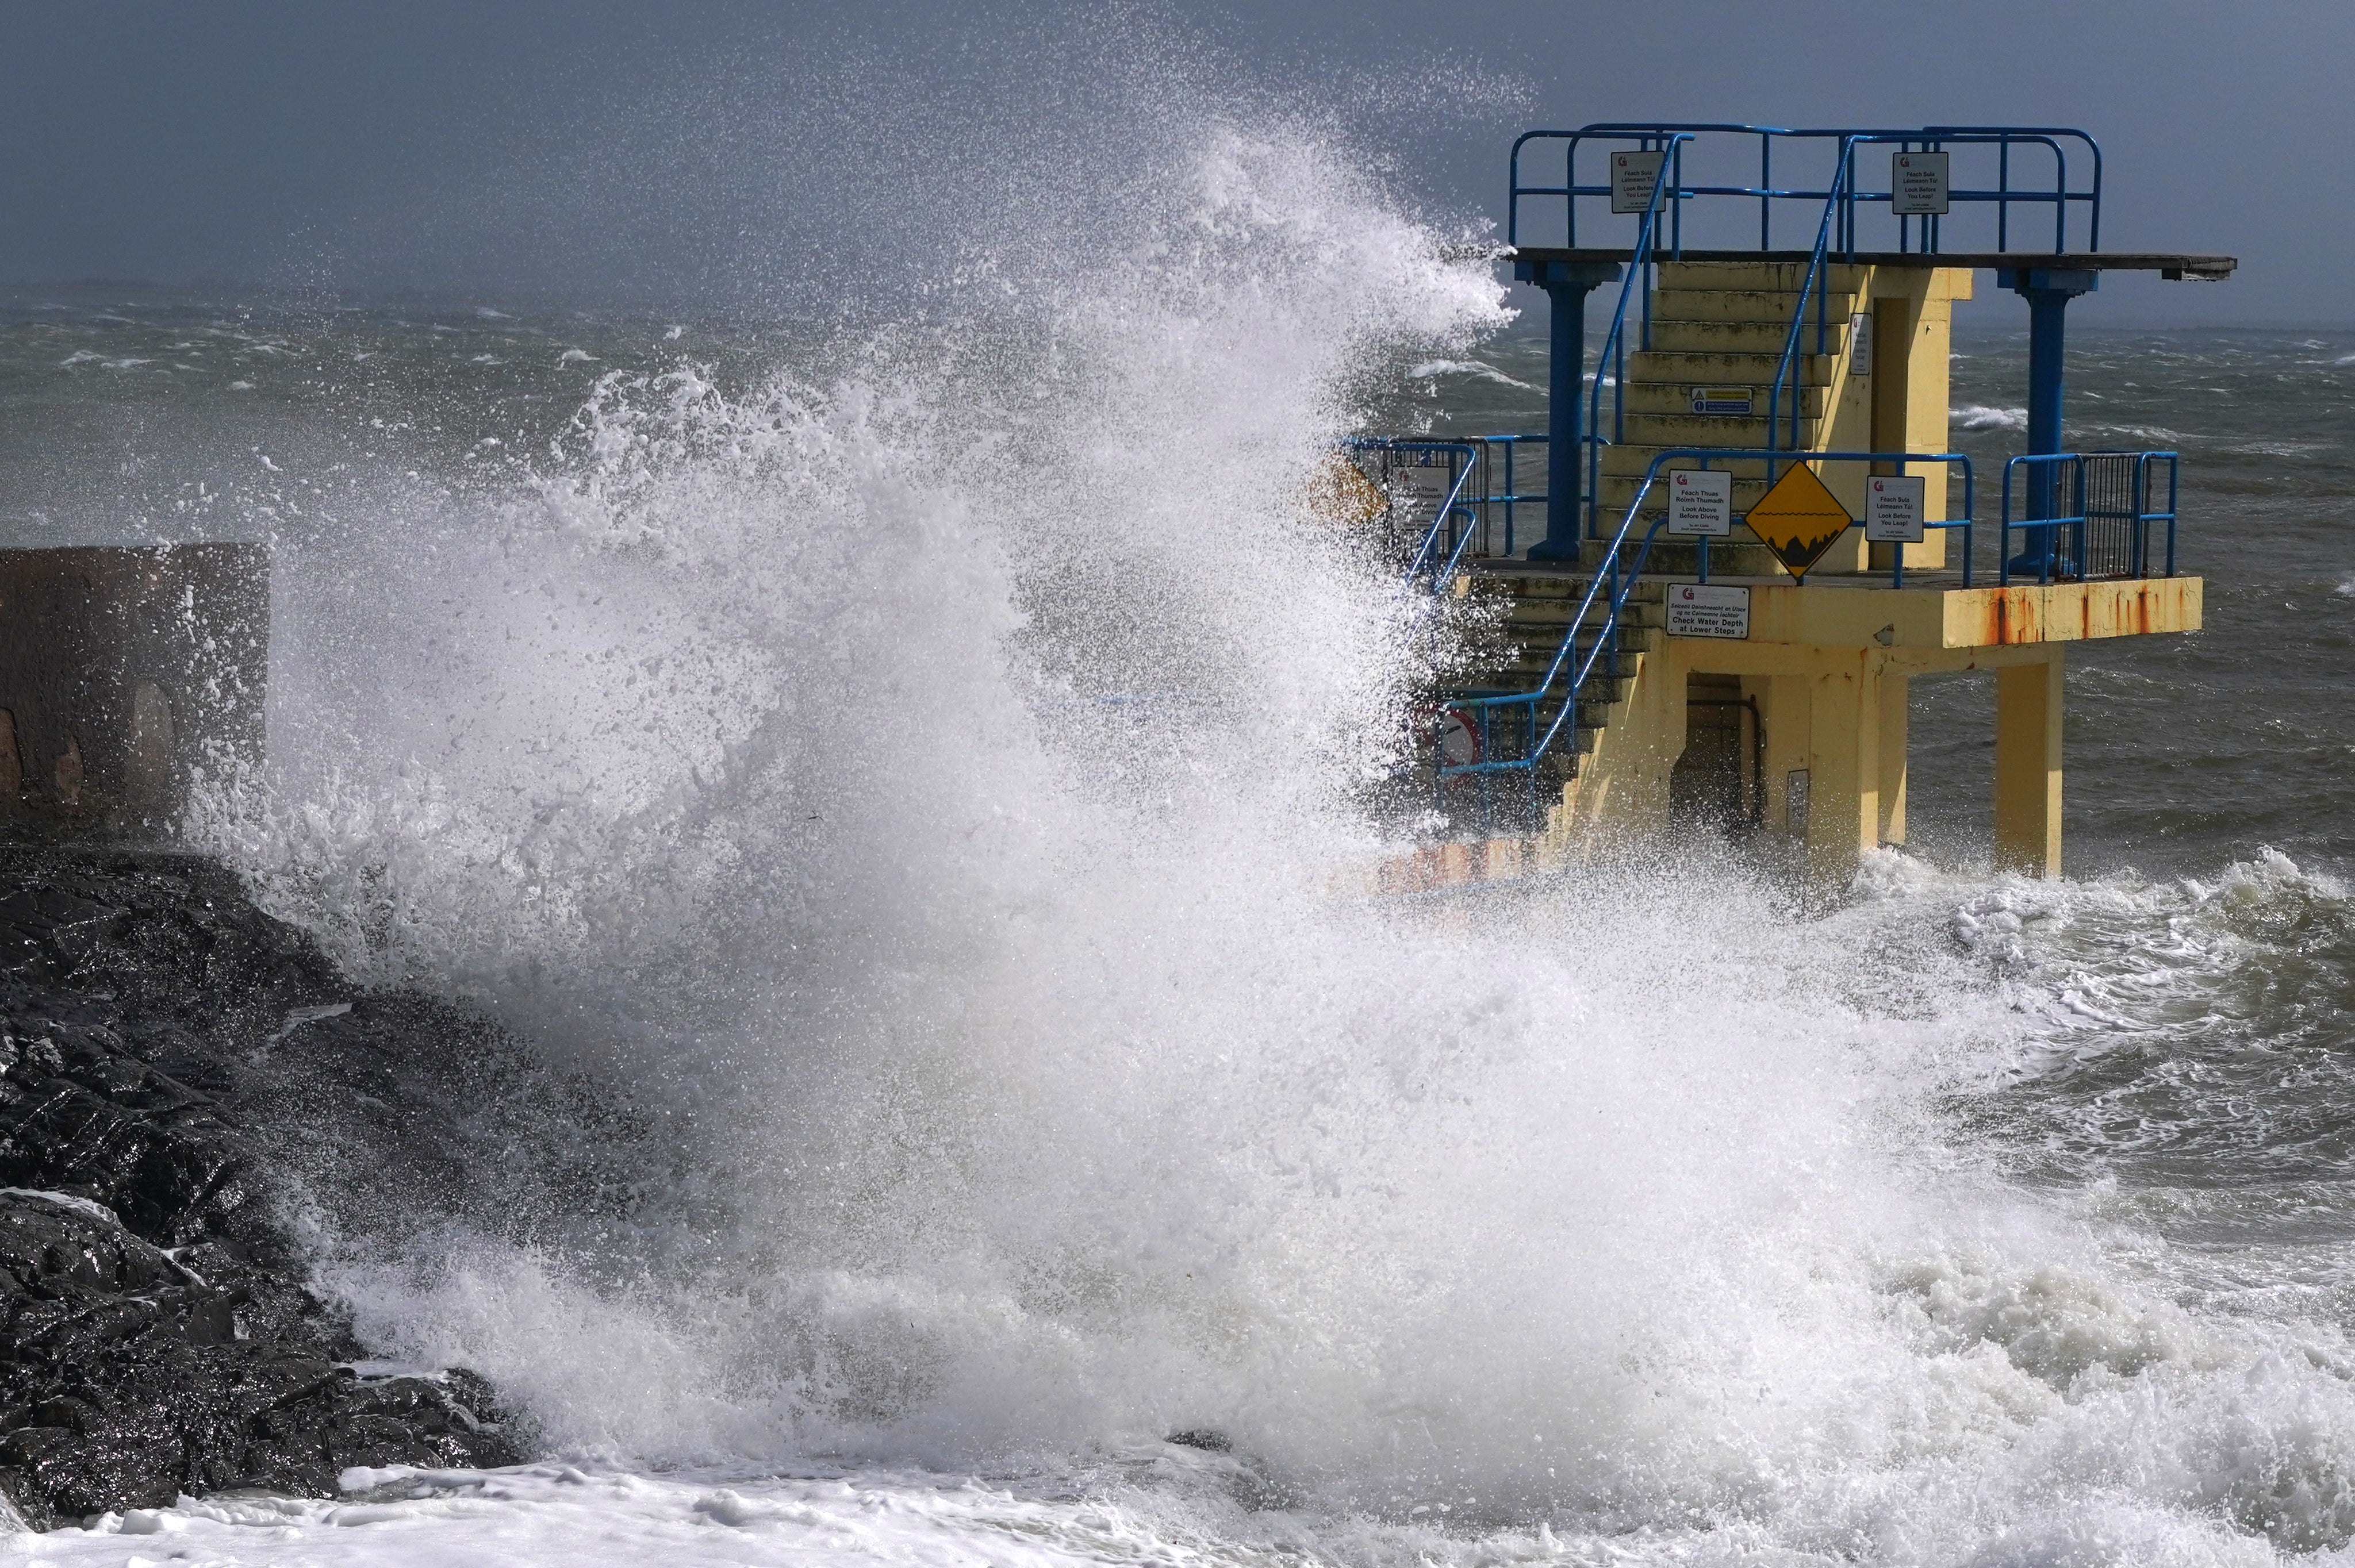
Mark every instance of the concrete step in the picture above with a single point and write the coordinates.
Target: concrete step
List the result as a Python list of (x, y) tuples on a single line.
[(1595, 699), (1676, 397), (1533, 625), (1631, 460), (1737, 556), (1746, 337), (1527, 582), (1732, 431), (1618, 488), (1724, 367), (1782, 277), (1744, 305)]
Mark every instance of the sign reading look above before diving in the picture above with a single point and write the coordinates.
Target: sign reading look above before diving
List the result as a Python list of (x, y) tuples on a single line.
[(1798, 519), (1700, 502)]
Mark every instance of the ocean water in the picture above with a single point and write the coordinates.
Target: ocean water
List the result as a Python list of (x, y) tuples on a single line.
[(900, 774)]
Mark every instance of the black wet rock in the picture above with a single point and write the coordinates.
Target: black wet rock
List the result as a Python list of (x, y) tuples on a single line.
[(170, 1057)]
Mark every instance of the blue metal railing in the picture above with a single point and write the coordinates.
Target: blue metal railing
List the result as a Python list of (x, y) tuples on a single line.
[(1837, 205), (1612, 583), (1439, 545), (1924, 233), (1469, 517), (2102, 529)]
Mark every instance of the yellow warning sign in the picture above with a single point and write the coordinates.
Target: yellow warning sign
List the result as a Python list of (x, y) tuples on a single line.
[(1798, 519)]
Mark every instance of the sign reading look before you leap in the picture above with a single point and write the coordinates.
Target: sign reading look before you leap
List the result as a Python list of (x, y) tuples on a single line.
[(1892, 509), (1633, 175), (1917, 184)]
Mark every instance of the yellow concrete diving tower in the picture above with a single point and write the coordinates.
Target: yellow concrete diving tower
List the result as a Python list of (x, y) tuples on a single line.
[(1763, 532)]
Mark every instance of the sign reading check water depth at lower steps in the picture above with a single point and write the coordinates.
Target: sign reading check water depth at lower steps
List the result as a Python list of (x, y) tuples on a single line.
[(1798, 519), (1708, 609)]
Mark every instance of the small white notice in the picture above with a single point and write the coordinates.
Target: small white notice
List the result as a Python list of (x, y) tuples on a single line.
[(1633, 175), (1892, 508), (1700, 501), (1708, 609), (1425, 486), (1859, 344), (1917, 184)]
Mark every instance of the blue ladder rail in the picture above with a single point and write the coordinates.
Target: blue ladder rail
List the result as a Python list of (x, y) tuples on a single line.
[(1614, 353)]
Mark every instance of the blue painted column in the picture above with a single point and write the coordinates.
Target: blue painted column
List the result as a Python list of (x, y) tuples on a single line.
[(1567, 284), (2047, 292)]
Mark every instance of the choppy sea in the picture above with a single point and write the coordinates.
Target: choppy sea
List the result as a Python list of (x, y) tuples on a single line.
[(979, 1090)]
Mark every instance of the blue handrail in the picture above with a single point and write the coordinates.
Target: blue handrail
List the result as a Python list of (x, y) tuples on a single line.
[(1449, 505), (1475, 511), (1790, 365), (1924, 233), (1614, 353)]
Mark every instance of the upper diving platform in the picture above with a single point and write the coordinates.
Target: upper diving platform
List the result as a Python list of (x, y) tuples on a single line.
[(2174, 266)]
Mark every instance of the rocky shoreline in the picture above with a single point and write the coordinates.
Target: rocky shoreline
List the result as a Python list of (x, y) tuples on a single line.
[(171, 1059)]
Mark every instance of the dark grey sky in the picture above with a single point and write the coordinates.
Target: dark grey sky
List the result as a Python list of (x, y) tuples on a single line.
[(654, 150)]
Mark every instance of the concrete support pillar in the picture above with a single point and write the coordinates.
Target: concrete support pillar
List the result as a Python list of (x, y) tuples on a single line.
[(1567, 284), (1784, 703), (1844, 770), (2028, 699), (1894, 696)]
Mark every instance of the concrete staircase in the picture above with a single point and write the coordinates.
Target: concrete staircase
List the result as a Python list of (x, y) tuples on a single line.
[(1722, 324), (1714, 324), (1537, 605)]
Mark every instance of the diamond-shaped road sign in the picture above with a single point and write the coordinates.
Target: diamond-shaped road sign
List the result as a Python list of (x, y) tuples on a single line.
[(1798, 519)]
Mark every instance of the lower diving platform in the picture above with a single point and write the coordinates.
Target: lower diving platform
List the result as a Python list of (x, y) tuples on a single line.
[(1798, 701)]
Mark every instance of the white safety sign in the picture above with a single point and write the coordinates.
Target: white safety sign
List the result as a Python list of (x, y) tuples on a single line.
[(1708, 609), (1859, 344), (1917, 184), (1633, 175), (1722, 401), (1422, 485), (1892, 508), (1700, 501)]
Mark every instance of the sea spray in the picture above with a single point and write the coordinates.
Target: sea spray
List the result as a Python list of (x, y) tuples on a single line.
[(921, 796)]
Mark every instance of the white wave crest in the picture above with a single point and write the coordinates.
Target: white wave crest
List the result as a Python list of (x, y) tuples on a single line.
[(1980, 416), (1431, 368)]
